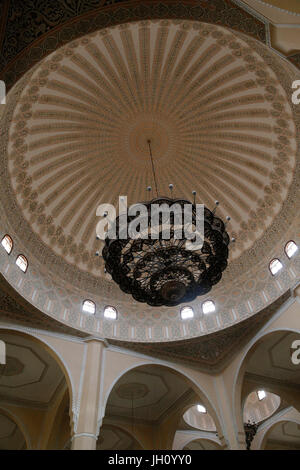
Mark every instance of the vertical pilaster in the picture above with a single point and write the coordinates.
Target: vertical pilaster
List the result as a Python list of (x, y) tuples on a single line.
[(235, 439), (85, 436)]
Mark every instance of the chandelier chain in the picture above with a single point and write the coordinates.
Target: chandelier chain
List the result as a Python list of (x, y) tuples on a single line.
[(152, 164)]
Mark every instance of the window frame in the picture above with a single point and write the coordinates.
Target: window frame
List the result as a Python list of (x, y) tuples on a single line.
[(189, 308), (275, 259), (115, 310), (11, 240), (210, 301), (285, 246), (91, 302), (26, 261)]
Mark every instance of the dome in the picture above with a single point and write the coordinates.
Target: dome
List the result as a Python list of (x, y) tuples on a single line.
[(214, 104), (256, 410)]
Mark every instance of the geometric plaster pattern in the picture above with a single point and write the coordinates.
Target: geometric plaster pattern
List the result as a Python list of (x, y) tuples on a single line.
[(12, 367), (57, 288), (15, 367), (212, 352), (284, 435), (14, 308), (188, 87), (132, 390), (202, 444), (38, 378)]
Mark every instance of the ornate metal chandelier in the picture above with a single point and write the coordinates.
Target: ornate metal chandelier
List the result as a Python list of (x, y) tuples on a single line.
[(250, 432), (163, 271)]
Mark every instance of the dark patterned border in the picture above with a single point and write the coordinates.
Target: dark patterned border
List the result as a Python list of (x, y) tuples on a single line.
[(36, 28), (4, 6)]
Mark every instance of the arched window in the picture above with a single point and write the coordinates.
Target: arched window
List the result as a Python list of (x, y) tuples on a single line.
[(261, 394), (89, 306), (186, 312), (7, 243), (201, 409), (275, 266), (22, 263), (208, 306), (110, 313), (290, 248)]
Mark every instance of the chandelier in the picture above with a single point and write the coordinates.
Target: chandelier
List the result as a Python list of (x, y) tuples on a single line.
[(250, 432), (164, 271)]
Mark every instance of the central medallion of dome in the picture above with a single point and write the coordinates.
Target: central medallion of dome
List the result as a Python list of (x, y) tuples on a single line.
[(164, 138)]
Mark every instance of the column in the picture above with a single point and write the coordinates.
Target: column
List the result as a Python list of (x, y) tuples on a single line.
[(234, 438), (85, 435)]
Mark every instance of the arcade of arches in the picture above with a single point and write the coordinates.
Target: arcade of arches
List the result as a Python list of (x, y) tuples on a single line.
[(82, 364), (60, 391)]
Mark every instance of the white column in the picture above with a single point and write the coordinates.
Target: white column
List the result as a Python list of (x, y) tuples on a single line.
[(85, 436)]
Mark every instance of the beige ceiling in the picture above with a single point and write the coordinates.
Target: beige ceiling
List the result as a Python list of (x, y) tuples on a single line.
[(65, 150), (272, 359), (115, 438), (202, 444), (31, 377), (147, 394)]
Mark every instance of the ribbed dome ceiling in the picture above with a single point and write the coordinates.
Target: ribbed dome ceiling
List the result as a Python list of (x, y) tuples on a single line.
[(218, 119)]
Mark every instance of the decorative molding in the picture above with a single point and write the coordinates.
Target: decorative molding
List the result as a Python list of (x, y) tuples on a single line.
[(266, 4), (212, 352), (259, 379), (69, 25), (131, 326)]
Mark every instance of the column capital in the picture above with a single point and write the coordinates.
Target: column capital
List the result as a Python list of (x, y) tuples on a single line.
[(84, 441), (83, 434)]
